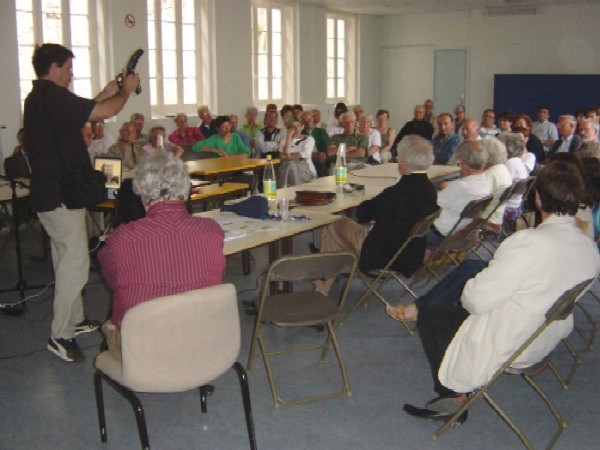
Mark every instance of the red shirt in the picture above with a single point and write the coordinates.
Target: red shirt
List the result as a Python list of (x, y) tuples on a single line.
[(165, 253), (189, 136)]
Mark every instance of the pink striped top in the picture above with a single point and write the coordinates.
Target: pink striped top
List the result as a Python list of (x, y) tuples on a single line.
[(165, 253)]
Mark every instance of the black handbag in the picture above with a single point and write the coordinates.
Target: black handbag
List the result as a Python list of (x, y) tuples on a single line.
[(83, 187)]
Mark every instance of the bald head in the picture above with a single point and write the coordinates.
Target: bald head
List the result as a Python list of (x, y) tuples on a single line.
[(470, 129)]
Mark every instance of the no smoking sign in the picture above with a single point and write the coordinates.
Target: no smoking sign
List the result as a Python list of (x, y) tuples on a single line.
[(129, 21)]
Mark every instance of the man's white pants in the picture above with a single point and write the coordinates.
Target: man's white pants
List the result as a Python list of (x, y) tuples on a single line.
[(70, 258)]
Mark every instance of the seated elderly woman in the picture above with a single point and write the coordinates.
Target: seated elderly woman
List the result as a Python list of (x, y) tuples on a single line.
[(164, 253), (156, 135), (126, 147), (224, 143), (184, 134), (500, 177), (296, 166), (515, 146)]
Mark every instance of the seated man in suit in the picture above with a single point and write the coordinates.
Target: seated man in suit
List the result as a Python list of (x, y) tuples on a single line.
[(166, 252), (392, 213), (569, 141), (468, 333), (126, 148)]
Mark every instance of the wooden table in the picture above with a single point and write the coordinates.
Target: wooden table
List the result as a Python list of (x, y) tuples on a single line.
[(214, 167), (390, 170), (268, 232)]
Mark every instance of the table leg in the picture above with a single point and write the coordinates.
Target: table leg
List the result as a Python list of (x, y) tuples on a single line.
[(273, 255), (246, 262), (287, 249)]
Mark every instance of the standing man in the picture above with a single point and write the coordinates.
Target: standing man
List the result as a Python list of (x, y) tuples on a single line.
[(53, 119)]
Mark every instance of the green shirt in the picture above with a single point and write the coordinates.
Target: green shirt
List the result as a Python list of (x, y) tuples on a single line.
[(235, 146), (351, 140), (251, 131), (321, 138)]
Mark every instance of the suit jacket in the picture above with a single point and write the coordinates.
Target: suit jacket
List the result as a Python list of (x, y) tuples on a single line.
[(395, 211), (575, 144), (508, 300)]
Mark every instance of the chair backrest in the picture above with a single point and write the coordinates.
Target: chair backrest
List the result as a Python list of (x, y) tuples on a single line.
[(181, 341), (560, 310), (502, 199), (471, 211), (304, 268), (419, 229)]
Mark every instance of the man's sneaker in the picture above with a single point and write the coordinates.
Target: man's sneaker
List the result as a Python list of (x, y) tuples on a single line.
[(86, 326), (66, 349)]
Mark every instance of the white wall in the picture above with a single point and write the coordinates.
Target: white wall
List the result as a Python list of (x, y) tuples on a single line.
[(557, 40)]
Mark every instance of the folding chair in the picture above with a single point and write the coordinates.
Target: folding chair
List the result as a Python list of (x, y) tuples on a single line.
[(523, 187), (302, 309), (561, 309), (463, 240), (377, 279), (493, 228)]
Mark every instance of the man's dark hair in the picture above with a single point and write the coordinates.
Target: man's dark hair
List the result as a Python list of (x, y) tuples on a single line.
[(560, 187), (507, 114), (220, 120), (543, 107), (46, 55), (285, 108)]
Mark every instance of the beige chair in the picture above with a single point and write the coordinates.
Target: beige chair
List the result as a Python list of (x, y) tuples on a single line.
[(302, 309), (377, 279), (173, 344), (561, 309)]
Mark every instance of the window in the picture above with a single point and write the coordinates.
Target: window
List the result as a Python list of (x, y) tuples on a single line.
[(176, 47), (340, 59), (66, 22), (272, 54)]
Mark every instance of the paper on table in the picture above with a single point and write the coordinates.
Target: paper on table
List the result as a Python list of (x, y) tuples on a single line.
[(235, 226)]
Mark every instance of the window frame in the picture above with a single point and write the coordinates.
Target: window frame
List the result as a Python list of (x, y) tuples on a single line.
[(94, 12), (287, 53), (201, 60), (350, 59)]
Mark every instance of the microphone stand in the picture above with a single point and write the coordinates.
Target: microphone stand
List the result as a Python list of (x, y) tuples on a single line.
[(16, 308)]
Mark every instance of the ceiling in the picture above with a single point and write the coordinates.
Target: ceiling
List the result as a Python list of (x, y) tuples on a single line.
[(384, 7)]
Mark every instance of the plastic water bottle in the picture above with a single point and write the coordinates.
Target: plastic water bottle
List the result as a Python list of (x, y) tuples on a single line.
[(160, 143), (269, 181), (341, 171)]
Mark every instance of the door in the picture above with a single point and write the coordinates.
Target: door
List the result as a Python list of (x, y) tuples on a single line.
[(449, 80)]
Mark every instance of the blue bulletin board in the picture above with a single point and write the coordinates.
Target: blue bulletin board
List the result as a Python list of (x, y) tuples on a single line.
[(563, 94)]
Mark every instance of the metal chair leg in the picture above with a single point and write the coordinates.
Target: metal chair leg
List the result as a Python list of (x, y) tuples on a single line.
[(243, 378), (100, 405), (138, 410)]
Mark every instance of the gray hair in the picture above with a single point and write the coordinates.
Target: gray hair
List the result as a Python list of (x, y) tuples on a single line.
[(496, 151), (161, 176), (473, 153), (592, 123), (515, 145), (416, 151), (589, 149), (366, 116), (252, 109), (346, 115), (571, 119)]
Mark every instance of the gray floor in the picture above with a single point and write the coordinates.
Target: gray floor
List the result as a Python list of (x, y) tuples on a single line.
[(49, 404)]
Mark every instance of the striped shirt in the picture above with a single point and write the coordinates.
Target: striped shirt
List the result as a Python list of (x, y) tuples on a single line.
[(165, 253)]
